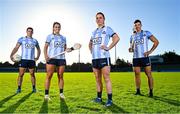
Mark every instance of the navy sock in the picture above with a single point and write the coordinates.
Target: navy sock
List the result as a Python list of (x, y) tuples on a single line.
[(61, 90), (109, 96), (138, 90), (46, 92), (19, 87), (99, 94), (34, 87), (151, 91)]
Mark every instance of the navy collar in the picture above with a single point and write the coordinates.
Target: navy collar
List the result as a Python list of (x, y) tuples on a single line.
[(27, 37), (100, 27)]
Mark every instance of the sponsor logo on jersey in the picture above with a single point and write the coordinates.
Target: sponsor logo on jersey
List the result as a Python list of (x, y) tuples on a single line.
[(29, 46), (97, 40), (139, 41), (58, 44)]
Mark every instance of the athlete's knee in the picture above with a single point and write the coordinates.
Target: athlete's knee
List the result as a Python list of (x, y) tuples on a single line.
[(49, 76), (49, 73), (32, 74), (137, 73), (60, 76), (106, 74), (21, 74), (148, 73), (149, 76), (99, 82), (107, 79)]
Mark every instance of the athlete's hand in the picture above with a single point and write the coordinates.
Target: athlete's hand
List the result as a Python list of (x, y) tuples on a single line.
[(146, 54), (104, 47), (47, 58), (12, 59), (131, 50), (36, 59), (68, 50)]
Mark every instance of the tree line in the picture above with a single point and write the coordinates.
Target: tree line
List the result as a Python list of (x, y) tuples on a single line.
[(120, 65)]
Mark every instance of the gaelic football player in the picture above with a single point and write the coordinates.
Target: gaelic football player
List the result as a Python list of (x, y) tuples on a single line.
[(28, 45), (139, 47)]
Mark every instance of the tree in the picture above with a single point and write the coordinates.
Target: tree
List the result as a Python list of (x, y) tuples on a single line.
[(171, 58)]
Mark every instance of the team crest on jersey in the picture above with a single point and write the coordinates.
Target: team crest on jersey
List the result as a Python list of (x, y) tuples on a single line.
[(58, 44), (97, 40), (27, 45), (104, 32)]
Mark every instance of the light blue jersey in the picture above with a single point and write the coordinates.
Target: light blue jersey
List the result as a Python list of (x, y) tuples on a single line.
[(28, 47), (140, 43), (99, 37), (56, 45)]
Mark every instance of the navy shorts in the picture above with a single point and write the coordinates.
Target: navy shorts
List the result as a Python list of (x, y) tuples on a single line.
[(57, 62), (100, 63), (141, 62), (27, 63)]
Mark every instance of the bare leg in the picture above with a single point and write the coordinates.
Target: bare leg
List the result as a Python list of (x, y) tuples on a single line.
[(50, 71), (20, 78), (137, 71), (150, 79), (33, 79)]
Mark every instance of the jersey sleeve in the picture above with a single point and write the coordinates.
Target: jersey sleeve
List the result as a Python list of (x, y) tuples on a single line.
[(20, 40), (48, 39), (37, 44), (110, 31), (65, 41), (149, 34)]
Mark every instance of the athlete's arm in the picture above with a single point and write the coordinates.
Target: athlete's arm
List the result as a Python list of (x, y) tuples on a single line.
[(115, 40), (14, 51), (38, 53), (131, 48), (45, 51), (156, 42), (90, 46)]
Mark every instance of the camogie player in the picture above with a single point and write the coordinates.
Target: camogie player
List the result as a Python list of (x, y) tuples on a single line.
[(139, 47), (99, 49), (55, 43), (28, 44)]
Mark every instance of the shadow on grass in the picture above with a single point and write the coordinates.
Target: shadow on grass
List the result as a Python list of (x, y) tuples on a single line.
[(89, 108), (13, 107), (6, 99), (169, 101), (115, 109), (63, 106), (44, 107)]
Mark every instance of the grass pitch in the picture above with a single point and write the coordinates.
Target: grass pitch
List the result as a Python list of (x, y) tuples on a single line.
[(80, 89)]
